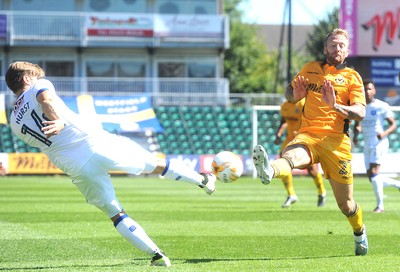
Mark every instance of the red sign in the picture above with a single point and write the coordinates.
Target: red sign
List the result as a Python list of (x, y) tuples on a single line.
[(120, 32)]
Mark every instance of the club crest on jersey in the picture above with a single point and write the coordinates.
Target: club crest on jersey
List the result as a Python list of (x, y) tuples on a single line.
[(339, 80)]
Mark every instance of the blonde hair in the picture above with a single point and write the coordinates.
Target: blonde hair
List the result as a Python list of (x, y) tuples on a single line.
[(16, 72), (337, 31)]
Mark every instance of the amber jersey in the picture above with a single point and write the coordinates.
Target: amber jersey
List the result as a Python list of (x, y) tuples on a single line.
[(292, 113), (348, 85)]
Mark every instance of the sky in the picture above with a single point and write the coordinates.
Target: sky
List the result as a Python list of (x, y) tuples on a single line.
[(304, 12)]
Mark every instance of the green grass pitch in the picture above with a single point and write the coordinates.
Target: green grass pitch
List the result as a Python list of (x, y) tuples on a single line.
[(46, 225)]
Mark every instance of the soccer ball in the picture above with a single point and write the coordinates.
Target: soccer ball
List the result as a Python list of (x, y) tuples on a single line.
[(227, 166)]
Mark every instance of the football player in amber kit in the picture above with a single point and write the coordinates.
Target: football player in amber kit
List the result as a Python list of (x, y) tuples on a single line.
[(334, 96)]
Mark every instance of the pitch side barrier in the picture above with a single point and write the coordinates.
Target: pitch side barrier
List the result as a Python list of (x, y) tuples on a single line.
[(38, 163)]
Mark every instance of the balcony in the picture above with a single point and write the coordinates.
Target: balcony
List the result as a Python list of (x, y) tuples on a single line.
[(165, 91), (72, 29)]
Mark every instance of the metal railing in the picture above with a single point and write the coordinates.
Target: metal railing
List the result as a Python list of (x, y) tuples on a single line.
[(164, 91)]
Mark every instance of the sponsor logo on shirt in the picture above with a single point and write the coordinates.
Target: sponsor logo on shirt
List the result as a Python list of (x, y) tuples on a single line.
[(20, 108)]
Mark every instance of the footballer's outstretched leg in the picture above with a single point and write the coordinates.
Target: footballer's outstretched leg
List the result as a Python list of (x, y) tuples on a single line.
[(208, 183), (264, 169)]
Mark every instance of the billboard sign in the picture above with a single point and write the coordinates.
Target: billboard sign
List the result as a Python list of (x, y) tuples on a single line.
[(119, 25), (373, 26), (3, 26)]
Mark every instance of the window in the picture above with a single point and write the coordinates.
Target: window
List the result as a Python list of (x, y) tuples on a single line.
[(189, 68), (168, 8), (105, 68), (131, 6), (43, 5), (127, 76), (171, 69), (131, 69), (99, 69), (199, 69), (59, 68), (202, 7), (54, 68), (186, 6)]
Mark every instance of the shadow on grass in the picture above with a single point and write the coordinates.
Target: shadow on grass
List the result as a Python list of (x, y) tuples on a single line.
[(263, 259), (77, 266), (185, 261)]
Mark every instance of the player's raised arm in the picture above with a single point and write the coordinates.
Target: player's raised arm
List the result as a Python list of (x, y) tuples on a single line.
[(354, 112), (55, 123), (298, 91)]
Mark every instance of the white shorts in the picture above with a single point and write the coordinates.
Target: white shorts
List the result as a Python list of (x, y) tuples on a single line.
[(119, 153), (375, 153), (114, 154)]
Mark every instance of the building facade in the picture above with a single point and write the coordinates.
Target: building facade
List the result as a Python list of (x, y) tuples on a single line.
[(171, 49)]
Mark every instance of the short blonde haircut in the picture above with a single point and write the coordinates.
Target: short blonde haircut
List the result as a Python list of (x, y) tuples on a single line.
[(337, 31), (16, 72)]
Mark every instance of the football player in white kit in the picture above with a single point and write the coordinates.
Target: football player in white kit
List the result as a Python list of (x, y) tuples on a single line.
[(376, 142), (86, 154)]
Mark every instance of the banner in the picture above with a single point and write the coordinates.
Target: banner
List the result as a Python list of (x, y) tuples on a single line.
[(117, 113), (385, 71), (348, 21), (4, 162), (3, 114), (373, 26), (119, 25), (3, 26), (150, 25), (204, 26), (30, 163)]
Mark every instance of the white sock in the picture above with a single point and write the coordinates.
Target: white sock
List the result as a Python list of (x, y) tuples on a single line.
[(387, 181), (177, 170), (378, 190), (135, 235)]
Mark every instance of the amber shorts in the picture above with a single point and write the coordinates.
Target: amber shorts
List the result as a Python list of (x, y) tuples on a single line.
[(333, 151)]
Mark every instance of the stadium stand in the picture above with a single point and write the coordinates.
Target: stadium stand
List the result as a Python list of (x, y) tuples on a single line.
[(208, 130), (203, 130)]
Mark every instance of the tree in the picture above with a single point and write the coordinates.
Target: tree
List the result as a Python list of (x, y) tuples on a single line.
[(316, 39), (246, 65)]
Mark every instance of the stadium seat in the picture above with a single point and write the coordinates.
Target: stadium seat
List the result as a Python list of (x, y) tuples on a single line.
[(206, 130), (33, 149), (9, 150), (8, 143)]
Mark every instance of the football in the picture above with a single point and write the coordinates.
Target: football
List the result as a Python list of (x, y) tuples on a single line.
[(227, 166)]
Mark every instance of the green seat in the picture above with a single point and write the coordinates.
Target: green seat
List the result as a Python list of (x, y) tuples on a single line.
[(199, 151), (8, 143), (6, 136), (33, 149), (22, 150), (9, 150), (5, 129), (172, 109)]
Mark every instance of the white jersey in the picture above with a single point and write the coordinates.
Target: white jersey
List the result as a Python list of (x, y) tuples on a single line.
[(26, 122), (375, 115)]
